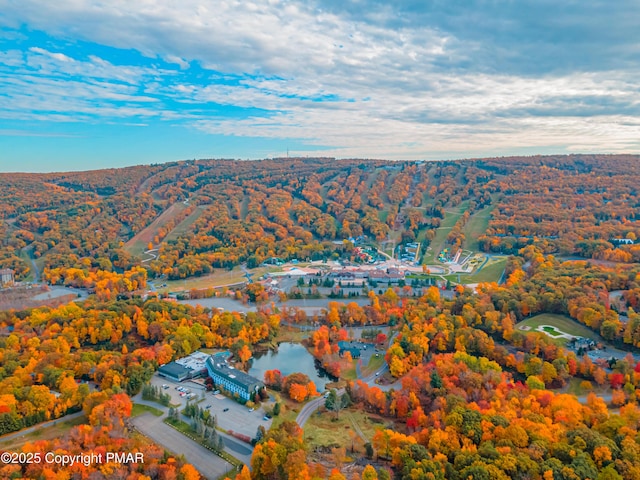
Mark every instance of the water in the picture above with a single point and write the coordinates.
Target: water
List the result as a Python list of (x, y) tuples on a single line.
[(290, 358)]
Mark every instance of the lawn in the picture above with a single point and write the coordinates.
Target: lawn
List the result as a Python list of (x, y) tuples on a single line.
[(290, 334), (448, 221), (289, 410), (139, 409), (490, 272), (185, 226), (552, 331), (322, 428), (60, 429), (350, 373), (562, 323), (374, 364), (476, 226), (573, 387), (220, 278)]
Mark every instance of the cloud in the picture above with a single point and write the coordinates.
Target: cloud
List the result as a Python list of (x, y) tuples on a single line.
[(60, 57), (365, 78)]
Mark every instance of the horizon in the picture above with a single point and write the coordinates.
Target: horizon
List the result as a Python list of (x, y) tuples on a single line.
[(91, 86), (469, 159)]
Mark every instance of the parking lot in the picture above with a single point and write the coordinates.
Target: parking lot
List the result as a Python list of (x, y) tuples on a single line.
[(237, 417), (366, 350)]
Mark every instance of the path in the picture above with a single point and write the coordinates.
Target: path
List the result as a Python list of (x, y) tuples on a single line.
[(26, 431), (36, 271), (152, 255), (357, 428)]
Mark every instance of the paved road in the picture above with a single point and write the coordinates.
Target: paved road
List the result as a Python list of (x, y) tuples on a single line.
[(311, 407), (207, 463)]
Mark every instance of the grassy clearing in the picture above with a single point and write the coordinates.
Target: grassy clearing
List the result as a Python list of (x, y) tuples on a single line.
[(289, 411), (374, 364), (139, 409), (323, 430), (291, 335), (448, 221), (552, 331), (490, 272), (574, 387), (185, 226), (560, 322), (138, 244), (350, 373), (219, 278), (476, 226), (60, 429)]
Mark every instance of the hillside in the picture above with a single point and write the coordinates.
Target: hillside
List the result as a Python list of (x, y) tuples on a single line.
[(474, 319)]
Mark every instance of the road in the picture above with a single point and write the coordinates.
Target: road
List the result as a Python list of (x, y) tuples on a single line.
[(311, 407), (207, 463), (235, 447), (26, 431)]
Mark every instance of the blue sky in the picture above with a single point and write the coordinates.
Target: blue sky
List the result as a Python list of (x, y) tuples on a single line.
[(87, 84)]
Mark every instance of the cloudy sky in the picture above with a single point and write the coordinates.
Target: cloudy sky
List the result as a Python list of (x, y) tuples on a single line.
[(89, 84)]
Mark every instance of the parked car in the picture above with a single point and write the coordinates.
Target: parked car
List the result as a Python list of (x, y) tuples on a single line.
[(226, 410)]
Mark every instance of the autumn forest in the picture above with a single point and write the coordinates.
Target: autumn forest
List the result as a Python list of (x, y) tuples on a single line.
[(496, 305)]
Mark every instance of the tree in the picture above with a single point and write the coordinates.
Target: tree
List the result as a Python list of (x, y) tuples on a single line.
[(369, 473), (336, 403)]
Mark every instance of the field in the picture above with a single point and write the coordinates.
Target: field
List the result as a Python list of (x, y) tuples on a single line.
[(322, 429), (490, 272), (58, 430), (138, 244), (561, 323), (476, 226), (449, 221), (220, 278), (185, 225)]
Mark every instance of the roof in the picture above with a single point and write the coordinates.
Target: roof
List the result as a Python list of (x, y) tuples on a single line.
[(174, 370), (195, 361), (233, 375), (6, 271)]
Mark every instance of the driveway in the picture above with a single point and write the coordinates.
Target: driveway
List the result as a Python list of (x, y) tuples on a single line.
[(206, 462)]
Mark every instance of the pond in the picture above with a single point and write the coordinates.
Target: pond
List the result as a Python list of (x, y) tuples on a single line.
[(290, 358)]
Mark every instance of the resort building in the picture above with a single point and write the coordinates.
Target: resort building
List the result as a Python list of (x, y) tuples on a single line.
[(232, 380), (185, 368), (6, 277)]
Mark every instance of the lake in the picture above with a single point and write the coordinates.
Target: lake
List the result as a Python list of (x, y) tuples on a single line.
[(289, 358)]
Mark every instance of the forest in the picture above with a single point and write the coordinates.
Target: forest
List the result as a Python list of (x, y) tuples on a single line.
[(475, 391)]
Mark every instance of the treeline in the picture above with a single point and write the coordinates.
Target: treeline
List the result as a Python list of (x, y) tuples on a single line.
[(57, 360)]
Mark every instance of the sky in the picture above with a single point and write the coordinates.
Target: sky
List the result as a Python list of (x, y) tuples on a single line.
[(96, 84)]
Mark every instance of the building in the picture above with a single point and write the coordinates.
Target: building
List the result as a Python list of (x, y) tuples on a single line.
[(185, 368), (232, 380), (348, 347), (6, 277), (175, 372)]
